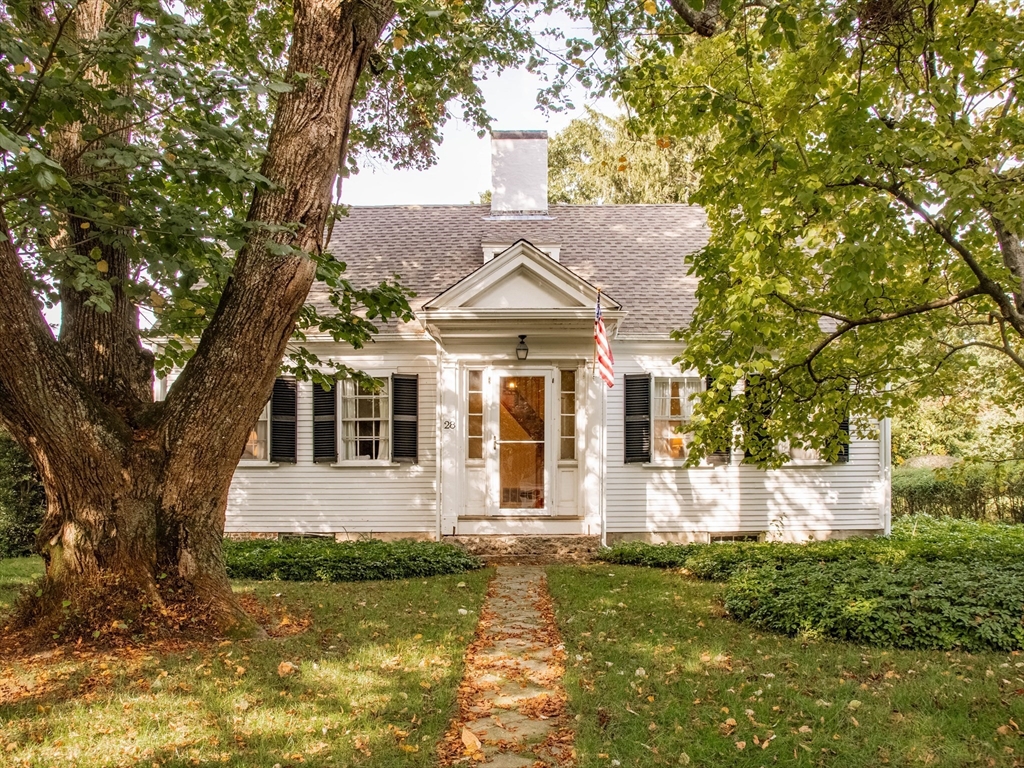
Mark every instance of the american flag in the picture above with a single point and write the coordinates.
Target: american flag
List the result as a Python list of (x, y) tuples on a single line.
[(604, 361)]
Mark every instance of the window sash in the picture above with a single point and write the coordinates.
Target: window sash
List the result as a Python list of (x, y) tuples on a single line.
[(672, 413), (257, 445), (365, 422), (568, 415), (475, 415)]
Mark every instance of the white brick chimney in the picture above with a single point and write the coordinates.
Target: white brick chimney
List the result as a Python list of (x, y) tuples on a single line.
[(519, 173)]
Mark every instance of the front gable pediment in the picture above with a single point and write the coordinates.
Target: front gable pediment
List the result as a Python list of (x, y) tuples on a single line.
[(521, 277)]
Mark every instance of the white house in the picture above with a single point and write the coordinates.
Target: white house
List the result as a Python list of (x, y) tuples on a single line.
[(491, 421)]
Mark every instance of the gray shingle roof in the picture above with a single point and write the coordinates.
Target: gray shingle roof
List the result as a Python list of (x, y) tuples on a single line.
[(636, 253)]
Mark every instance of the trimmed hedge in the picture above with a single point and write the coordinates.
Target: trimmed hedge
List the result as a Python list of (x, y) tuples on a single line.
[(971, 491), (917, 538), (319, 560), (944, 605)]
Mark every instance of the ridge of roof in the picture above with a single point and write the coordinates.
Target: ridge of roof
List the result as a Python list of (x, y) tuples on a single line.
[(555, 206)]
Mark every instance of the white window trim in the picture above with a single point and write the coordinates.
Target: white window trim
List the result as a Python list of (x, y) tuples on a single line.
[(666, 463), (339, 427)]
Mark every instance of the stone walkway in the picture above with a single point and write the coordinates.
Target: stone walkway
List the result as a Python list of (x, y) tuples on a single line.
[(511, 700)]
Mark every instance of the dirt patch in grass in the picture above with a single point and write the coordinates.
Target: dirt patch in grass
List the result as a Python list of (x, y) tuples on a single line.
[(274, 617)]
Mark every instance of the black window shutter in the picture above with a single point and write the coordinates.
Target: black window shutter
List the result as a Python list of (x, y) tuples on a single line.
[(844, 447), (325, 437), (405, 409), (638, 419), (283, 409), (723, 456)]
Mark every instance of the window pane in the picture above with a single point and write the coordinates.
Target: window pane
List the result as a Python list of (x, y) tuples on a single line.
[(568, 448), (476, 448), (569, 403), (669, 443), (568, 381), (364, 421), (568, 425), (476, 381), (522, 475), (256, 445), (476, 402), (476, 426), (676, 403)]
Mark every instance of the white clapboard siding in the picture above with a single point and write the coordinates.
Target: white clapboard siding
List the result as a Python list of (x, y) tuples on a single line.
[(793, 501), (307, 497)]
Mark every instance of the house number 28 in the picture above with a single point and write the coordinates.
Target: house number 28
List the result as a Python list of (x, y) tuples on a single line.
[(449, 424)]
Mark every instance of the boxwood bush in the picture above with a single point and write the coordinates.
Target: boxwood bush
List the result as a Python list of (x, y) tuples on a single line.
[(945, 605), (320, 560)]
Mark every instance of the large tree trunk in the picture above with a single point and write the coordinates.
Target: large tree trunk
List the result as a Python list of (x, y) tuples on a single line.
[(136, 490)]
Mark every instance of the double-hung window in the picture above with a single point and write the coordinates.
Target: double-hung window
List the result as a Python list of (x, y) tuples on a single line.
[(658, 415), (355, 423), (256, 445), (672, 407), (365, 427)]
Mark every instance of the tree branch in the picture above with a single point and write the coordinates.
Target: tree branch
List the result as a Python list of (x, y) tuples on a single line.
[(847, 324), (21, 123), (43, 396), (704, 22), (212, 405), (1013, 257), (990, 286)]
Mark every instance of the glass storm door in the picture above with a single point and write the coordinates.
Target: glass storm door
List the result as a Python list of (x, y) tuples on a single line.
[(521, 444)]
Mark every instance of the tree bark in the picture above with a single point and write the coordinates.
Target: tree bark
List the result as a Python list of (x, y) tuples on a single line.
[(138, 490)]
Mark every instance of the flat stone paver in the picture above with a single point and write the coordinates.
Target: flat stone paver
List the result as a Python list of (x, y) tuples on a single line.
[(511, 700)]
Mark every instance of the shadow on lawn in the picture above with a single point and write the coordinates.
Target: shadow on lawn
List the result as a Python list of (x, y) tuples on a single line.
[(657, 676), (379, 667)]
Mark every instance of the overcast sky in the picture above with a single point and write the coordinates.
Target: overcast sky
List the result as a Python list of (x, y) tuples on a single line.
[(463, 170)]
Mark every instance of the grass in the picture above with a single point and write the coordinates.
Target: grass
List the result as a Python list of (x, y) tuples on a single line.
[(15, 574), (378, 668), (657, 676)]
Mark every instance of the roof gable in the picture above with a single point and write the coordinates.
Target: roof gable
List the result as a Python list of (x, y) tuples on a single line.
[(521, 277)]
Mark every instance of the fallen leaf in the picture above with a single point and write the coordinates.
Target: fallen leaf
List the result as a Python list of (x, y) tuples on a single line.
[(470, 740), (741, 745), (286, 668)]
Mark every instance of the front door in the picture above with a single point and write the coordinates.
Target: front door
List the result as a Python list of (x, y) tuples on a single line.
[(518, 453)]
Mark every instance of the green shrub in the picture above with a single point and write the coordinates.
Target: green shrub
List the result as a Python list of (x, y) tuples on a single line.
[(22, 500), (938, 605), (649, 555), (319, 560), (971, 491), (918, 538)]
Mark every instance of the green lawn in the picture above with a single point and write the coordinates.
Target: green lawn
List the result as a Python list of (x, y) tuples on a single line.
[(379, 665), (657, 676), (15, 573)]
